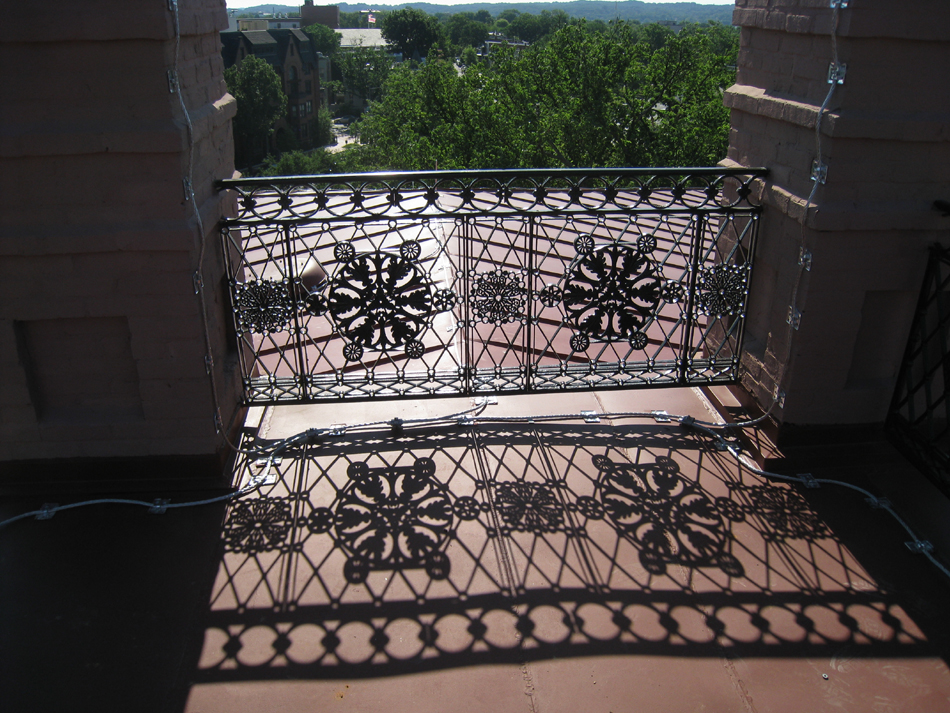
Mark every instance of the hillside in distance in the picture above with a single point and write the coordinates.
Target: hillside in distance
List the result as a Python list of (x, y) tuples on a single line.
[(605, 10)]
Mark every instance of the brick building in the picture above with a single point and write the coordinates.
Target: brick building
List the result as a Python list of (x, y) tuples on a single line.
[(291, 55)]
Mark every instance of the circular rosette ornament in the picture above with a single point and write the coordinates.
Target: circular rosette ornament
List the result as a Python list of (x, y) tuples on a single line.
[(263, 306), (498, 297), (722, 289), (611, 292), (382, 301)]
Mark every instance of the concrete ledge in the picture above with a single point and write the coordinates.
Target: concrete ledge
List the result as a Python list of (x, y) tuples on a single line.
[(884, 125), (867, 19)]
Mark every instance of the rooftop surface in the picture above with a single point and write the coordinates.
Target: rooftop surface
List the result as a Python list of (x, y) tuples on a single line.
[(523, 563)]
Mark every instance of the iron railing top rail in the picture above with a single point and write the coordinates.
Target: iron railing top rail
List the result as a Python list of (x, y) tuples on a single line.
[(492, 192), (759, 172)]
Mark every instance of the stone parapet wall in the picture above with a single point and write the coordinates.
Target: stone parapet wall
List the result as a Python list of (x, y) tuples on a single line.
[(885, 139), (102, 338)]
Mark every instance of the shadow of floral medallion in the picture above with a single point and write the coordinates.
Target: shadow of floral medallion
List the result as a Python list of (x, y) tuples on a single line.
[(392, 518), (671, 520)]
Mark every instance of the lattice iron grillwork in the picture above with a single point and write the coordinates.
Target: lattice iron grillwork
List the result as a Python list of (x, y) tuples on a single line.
[(919, 419), (448, 283)]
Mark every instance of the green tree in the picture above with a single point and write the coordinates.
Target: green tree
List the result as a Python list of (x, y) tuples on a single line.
[(465, 31), (364, 70), (578, 99), (321, 128), (468, 57), (260, 103), (298, 163), (324, 39), (411, 32)]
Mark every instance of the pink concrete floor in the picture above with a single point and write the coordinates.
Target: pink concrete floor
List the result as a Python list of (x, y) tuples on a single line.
[(625, 565)]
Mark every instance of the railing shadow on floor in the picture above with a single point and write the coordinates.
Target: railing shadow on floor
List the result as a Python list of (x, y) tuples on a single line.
[(387, 553)]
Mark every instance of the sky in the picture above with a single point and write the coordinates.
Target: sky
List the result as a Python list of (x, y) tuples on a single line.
[(236, 4)]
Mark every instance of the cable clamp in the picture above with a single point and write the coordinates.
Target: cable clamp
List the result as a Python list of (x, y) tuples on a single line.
[(590, 416), (819, 171), (804, 259), (47, 511), (337, 429), (266, 475), (878, 503), (466, 421), (485, 401), (159, 506), (920, 546), (218, 423), (794, 318), (809, 481), (197, 281), (209, 364), (189, 191), (172, 81), (663, 416), (836, 73), (172, 5), (397, 426), (779, 396), (840, 4)]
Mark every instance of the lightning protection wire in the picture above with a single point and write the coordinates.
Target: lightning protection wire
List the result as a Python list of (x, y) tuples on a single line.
[(472, 417)]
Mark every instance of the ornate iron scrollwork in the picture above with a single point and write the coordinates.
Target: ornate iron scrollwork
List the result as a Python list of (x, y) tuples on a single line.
[(263, 306), (498, 297), (381, 300), (672, 520), (392, 518), (722, 289), (611, 292)]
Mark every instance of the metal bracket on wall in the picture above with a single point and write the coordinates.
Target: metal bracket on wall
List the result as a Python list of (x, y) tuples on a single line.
[(794, 318), (836, 73), (804, 259)]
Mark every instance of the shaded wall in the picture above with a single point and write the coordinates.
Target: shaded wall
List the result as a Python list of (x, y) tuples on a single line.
[(886, 143), (102, 337)]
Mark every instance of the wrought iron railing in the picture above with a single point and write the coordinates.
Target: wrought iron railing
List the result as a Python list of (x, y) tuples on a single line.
[(478, 282), (919, 419)]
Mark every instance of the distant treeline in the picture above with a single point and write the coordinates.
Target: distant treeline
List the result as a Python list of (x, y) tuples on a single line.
[(643, 12)]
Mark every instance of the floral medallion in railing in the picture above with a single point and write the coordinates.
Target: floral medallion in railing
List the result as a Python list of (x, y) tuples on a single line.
[(498, 296), (612, 292), (263, 306), (378, 300)]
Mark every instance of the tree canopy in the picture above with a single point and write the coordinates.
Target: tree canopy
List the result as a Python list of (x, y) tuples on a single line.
[(364, 70), (629, 96), (260, 103), (323, 39), (411, 32)]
